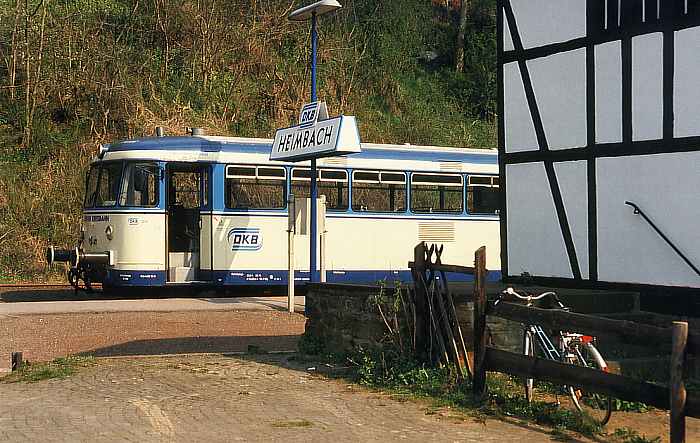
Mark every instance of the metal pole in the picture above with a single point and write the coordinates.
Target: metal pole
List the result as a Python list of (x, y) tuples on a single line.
[(314, 190), (290, 251), (322, 236)]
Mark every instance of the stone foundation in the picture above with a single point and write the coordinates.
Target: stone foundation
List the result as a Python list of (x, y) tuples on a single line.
[(344, 318)]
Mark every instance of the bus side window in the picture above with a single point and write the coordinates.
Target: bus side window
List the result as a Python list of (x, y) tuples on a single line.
[(483, 195), (378, 191), (256, 187), (441, 193), (333, 183)]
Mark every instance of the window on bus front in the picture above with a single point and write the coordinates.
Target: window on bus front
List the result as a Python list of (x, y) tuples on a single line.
[(378, 191), (441, 193), (107, 189), (483, 195), (333, 183), (91, 186), (140, 187), (256, 187)]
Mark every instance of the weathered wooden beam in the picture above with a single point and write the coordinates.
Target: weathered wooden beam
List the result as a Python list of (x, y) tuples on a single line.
[(422, 324), (449, 338), (629, 331), (585, 378), (593, 380), (445, 268), (17, 361), (480, 304), (677, 392)]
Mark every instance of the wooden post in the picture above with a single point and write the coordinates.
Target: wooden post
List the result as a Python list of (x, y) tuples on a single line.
[(422, 325), (479, 384), (17, 361), (679, 339)]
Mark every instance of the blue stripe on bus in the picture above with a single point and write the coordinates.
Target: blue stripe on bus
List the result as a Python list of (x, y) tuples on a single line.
[(116, 277), (273, 277)]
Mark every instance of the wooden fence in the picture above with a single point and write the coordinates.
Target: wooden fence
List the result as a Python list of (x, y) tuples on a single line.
[(676, 338)]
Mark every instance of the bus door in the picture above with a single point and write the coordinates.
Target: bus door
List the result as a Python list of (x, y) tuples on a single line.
[(189, 218)]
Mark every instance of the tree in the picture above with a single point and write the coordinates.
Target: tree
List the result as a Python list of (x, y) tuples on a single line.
[(459, 51)]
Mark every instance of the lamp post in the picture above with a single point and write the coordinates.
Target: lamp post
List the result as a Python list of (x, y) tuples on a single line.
[(312, 12)]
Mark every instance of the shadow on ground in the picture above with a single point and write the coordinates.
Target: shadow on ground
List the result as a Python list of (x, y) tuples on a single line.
[(29, 295), (199, 345)]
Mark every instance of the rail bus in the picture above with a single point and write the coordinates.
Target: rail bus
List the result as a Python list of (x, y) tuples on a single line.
[(207, 210)]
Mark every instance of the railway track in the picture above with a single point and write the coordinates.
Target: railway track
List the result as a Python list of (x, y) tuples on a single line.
[(38, 286)]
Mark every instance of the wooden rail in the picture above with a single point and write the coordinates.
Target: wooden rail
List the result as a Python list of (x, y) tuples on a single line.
[(676, 338), (570, 321)]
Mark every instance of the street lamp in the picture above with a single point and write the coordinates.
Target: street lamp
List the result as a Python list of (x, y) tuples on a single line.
[(311, 12)]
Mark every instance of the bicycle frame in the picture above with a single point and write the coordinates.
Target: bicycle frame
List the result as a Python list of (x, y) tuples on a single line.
[(544, 342)]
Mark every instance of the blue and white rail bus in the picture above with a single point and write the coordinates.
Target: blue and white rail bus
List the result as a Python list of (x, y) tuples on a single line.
[(213, 210)]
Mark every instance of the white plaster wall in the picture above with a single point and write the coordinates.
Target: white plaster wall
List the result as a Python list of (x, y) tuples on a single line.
[(520, 132), (542, 22), (608, 92), (647, 86), (559, 82), (535, 242), (686, 83), (665, 186), (573, 185)]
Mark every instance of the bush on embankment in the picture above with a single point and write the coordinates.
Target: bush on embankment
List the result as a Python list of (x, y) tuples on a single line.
[(79, 73)]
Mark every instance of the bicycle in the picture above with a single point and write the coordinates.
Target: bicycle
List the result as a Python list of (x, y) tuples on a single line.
[(571, 348)]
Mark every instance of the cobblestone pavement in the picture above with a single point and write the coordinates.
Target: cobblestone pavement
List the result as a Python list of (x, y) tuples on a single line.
[(225, 398)]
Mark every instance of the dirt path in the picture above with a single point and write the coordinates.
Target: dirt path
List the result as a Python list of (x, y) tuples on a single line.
[(219, 398), (47, 336)]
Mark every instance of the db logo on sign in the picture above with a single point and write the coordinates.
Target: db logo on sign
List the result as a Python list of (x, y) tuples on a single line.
[(245, 239)]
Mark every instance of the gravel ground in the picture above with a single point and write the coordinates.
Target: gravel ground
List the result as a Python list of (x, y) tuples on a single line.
[(45, 337), (227, 398)]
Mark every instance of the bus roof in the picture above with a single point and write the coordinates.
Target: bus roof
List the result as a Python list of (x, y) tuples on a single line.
[(263, 146)]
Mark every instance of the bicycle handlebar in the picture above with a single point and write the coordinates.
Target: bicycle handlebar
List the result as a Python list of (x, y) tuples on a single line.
[(530, 297), (511, 291)]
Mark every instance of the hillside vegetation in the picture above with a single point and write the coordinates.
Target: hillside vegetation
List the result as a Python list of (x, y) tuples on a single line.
[(76, 73)]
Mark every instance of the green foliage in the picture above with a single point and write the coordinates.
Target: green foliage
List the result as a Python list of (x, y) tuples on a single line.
[(389, 370), (629, 406), (311, 345), (506, 397), (626, 435), (59, 368), (79, 73)]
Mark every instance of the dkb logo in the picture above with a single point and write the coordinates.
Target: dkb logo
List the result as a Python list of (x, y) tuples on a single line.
[(245, 239)]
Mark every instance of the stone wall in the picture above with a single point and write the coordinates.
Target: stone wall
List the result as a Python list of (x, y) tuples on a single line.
[(343, 318)]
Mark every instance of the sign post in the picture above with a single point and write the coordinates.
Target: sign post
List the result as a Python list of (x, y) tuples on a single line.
[(316, 135)]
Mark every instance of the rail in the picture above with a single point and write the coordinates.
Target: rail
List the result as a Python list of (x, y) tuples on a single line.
[(638, 211), (677, 339)]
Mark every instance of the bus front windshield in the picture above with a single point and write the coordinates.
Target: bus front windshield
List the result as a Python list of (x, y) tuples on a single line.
[(102, 187)]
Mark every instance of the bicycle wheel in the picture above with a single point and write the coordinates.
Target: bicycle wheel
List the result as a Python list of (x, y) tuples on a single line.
[(597, 406), (528, 350)]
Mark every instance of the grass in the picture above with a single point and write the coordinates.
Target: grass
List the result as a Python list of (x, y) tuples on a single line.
[(404, 379), (59, 368), (626, 435)]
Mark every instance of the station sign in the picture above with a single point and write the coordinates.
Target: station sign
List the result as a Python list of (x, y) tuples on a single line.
[(316, 135)]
